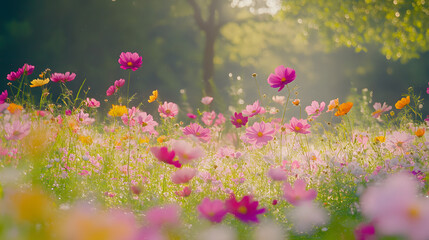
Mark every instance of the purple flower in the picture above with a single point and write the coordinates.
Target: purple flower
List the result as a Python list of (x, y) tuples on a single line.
[(239, 120), (130, 60), (214, 210), (13, 76), (281, 78), (245, 210), (27, 69), (3, 97), (63, 77)]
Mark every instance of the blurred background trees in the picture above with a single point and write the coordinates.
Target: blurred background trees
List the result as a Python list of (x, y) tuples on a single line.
[(196, 44)]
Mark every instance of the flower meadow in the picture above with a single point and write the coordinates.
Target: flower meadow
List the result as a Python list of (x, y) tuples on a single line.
[(269, 169)]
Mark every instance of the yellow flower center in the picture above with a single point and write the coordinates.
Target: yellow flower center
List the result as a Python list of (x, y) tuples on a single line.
[(198, 134), (239, 121), (297, 128), (413, 213), (242, 210), (284, 79), (129, 64), (260, 134)]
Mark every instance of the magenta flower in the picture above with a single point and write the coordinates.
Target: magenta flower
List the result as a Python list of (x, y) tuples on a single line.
[(63, 77), (3, 97), (298, 194), (245, 210), (130, 60), (111, 90), (315, 109), (169, 109), (163, 155), (239, 120), (183, 175), (191, 116), (379, 109), (254, 109), (298, 126), (213, 211), (119, 83), (92, 103), (281, 78), (27, 69), (13, 76), (365, 232), (203, 134), (259, 134)]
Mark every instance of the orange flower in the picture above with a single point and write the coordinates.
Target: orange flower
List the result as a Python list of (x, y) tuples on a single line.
[(379, 139), (403, 102), (14, 107), (333, 104), (344, 108), (420, 132), (153, 97), (296, 102)]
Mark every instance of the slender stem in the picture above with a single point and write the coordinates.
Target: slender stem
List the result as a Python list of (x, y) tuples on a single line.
[(281, 124), (128, 86), (257, 86)]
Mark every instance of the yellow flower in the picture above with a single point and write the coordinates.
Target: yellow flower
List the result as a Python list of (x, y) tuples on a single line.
[(14, 107), (154, 96), (86, 140), (39, 82), (379, 139), (118, 110), (144, 140), (344, 108), (403, 102), (161, 139), (29, 206), (392, 113)]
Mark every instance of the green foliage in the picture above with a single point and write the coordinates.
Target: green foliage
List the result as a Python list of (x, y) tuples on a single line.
[(399, 27)]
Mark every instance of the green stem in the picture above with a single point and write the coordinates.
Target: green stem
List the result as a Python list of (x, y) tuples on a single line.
[(128, 86), (281, 124), (257, 86)]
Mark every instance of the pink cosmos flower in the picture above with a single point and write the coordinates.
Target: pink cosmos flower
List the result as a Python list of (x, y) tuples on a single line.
[(3, 97), (315, 109), (395, 208), (63, 77), (68, 112), (186, 152), (169, 109), (166, 216), (259, 134), (239, 120), (213, 211), (245, 210), (254, 109), (298, 194), (129, 118), (277, 174), (119, 83), (27, 69), (111, 90), (203, 134), (398, 142), (365, 232), (220, 119), (92, 103), (84, 118), (192, 116), (17, 130), (208, 117), (185, 192), (380, 109), (427, 89), (147, 122), (281, 78), (183, 175), (130, 60), (163, 155), (298, 126), (13, 76), (206, 100)]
